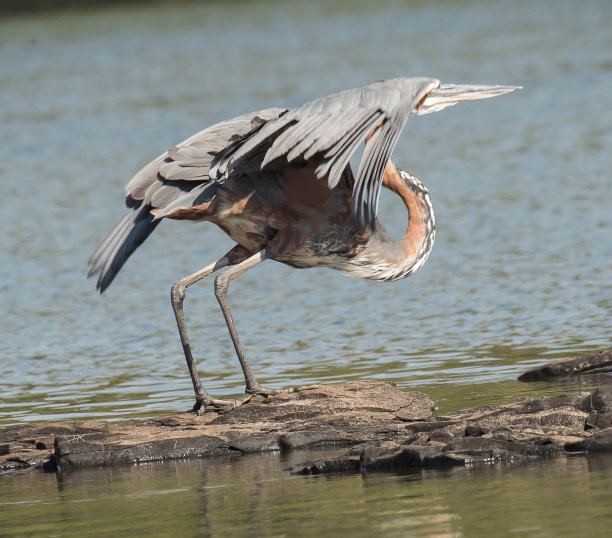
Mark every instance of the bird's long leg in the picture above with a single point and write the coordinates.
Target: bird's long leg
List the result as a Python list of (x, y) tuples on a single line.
[(177, 296), (221, 286)]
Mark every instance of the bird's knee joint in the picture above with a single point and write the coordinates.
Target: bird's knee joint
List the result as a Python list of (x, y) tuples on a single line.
[(221, 283), (177, 291)]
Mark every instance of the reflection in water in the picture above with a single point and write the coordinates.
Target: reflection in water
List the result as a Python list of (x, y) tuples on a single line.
[(244, 495)]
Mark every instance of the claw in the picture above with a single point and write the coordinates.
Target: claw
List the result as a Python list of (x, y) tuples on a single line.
[(258, 390), (206, 402)]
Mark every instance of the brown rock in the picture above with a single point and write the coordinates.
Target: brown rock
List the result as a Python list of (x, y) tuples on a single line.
[(332, 415), (598, 441), (591, 363), (387, 429), (521, 429)]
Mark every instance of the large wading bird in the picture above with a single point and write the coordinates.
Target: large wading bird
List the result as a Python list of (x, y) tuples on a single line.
[(279, 183)]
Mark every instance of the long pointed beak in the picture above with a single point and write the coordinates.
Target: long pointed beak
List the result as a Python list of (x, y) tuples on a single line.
[(451, 94)]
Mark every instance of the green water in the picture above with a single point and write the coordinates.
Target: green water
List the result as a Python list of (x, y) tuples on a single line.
[(251, 496), (519, 274)]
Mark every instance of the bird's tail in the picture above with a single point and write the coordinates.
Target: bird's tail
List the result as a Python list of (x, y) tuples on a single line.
[(121, 242)]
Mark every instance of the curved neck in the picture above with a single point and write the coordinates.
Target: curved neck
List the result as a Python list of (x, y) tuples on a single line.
[(393, 260)]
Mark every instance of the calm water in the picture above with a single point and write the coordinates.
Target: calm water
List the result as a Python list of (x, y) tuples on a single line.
[(253, 497), (519, 274)]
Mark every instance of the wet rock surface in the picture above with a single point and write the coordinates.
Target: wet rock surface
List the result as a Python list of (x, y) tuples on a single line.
[(382, 427), (591, 363)]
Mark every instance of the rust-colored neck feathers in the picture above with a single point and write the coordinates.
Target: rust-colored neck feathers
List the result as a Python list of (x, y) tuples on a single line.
[(392, 260), (417, 223)]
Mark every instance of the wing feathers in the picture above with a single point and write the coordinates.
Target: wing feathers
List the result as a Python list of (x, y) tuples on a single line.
[(379, 149), (173, 171), (221, 167), (375, 161), (291, 139), (336, 130), (335, 126), (339, 155), (120, 243), (164, 180)]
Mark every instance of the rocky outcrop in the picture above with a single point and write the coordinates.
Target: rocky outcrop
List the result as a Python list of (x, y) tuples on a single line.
[(526, 428), (591, 363), (337, 415), (382, 427)]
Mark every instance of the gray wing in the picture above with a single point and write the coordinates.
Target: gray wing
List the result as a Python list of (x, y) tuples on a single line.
[(187, 164), (178, 177), (334, 127)]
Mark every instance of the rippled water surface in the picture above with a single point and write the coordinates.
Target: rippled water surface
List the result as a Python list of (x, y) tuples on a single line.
[(519, 274)]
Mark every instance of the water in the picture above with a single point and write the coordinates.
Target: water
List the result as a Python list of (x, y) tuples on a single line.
[(519, 274), (253, 497)]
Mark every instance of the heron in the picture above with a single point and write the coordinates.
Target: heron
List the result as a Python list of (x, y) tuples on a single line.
[(279, 183)]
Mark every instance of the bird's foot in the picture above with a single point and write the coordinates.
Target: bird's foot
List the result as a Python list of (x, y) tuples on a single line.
[(258, 390), (206, 402)]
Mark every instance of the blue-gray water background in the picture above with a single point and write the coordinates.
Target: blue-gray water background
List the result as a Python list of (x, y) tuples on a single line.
[(519, 274)]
